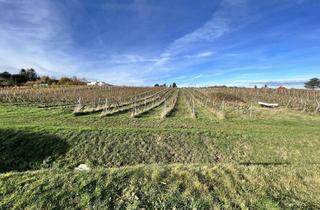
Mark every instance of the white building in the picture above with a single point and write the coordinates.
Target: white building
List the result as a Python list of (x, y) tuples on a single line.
[(97, 84)]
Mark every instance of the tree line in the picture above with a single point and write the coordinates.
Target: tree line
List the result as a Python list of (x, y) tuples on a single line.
[(313, 84), (30, 77), (174, 85), (24, 76)]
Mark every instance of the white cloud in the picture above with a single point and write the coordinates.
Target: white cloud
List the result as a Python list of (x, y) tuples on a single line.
[(34, 35), (213, 29), (163, 59), (123, 59), (210, 31), (205, 54), (200, 55), (221, 22)]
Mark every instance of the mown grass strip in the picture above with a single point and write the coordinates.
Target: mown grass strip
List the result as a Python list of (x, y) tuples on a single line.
[(224, 186)]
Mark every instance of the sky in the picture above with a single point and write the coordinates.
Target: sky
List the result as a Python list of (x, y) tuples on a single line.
[(143, 42)]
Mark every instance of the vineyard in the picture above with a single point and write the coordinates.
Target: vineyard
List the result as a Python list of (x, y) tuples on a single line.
[(70, 96), (110, 100), (158, 148), (299, 100)]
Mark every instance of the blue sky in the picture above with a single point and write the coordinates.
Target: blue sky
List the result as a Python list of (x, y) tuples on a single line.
[(142, 42)]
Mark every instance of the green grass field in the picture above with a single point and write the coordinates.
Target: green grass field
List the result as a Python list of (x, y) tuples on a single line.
[(267, 161)]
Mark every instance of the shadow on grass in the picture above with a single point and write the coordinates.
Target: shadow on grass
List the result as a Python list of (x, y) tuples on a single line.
[(264, 163), (28, 150)]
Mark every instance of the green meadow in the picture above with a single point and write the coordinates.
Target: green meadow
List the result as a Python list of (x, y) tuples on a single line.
[(267, 160)]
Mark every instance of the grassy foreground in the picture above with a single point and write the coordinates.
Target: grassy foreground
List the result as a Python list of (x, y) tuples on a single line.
[(269, 160), (165, 187)]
